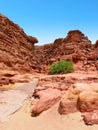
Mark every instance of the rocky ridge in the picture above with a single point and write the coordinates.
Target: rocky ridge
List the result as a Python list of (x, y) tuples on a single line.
[(16, 48), (77, 92), (18, 52), (75, 47)]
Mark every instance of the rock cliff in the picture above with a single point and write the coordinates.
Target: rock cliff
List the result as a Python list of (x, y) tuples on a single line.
[(75, 47), (18, 52), (16, 48)]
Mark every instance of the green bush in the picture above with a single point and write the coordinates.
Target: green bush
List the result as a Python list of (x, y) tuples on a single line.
[(61, 67)]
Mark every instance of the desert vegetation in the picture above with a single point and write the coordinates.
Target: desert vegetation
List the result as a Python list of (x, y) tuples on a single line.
[(61, 67)]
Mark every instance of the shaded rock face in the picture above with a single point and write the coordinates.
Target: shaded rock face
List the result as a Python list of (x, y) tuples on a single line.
[(75, 47), (16, 48), (96, 44), (68, 105)]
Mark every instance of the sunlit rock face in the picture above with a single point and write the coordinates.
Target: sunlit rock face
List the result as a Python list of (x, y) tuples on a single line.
[(18, 52), (16, 48), (75, 47)]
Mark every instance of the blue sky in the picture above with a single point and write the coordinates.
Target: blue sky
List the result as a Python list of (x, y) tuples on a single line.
[(51, 19)]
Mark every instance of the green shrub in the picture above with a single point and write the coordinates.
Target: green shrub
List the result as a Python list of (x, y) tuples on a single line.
[(61, 67), (96, 91)]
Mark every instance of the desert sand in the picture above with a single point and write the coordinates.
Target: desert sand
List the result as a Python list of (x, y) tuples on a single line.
[(48, 120)]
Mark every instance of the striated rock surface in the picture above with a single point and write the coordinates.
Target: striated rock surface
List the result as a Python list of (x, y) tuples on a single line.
[(16, 48), (75, 47)]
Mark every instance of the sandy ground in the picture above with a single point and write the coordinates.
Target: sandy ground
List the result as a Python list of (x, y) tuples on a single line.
[(13, 99), (48, 120)]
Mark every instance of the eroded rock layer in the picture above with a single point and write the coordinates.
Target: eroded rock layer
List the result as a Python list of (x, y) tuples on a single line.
[(16, 48), (18, 52), (75, 47)]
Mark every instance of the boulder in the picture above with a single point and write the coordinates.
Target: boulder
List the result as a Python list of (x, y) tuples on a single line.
[(88, 101), (47, 98), (68, 104), (90, 118)]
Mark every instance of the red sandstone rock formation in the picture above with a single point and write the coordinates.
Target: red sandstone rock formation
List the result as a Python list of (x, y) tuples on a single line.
[(16, 48), (90, 118), (88, 101), (76, 36), (68, 104), (47, 98), (96, 44), (75, 92), (17, 52), (75, 47)]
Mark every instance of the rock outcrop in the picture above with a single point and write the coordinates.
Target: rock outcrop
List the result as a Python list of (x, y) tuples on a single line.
[(68, 104), (75, 47), (88, 105), (16, 48), (88, 101), (77, 92), (90, 118), (47, 98)]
